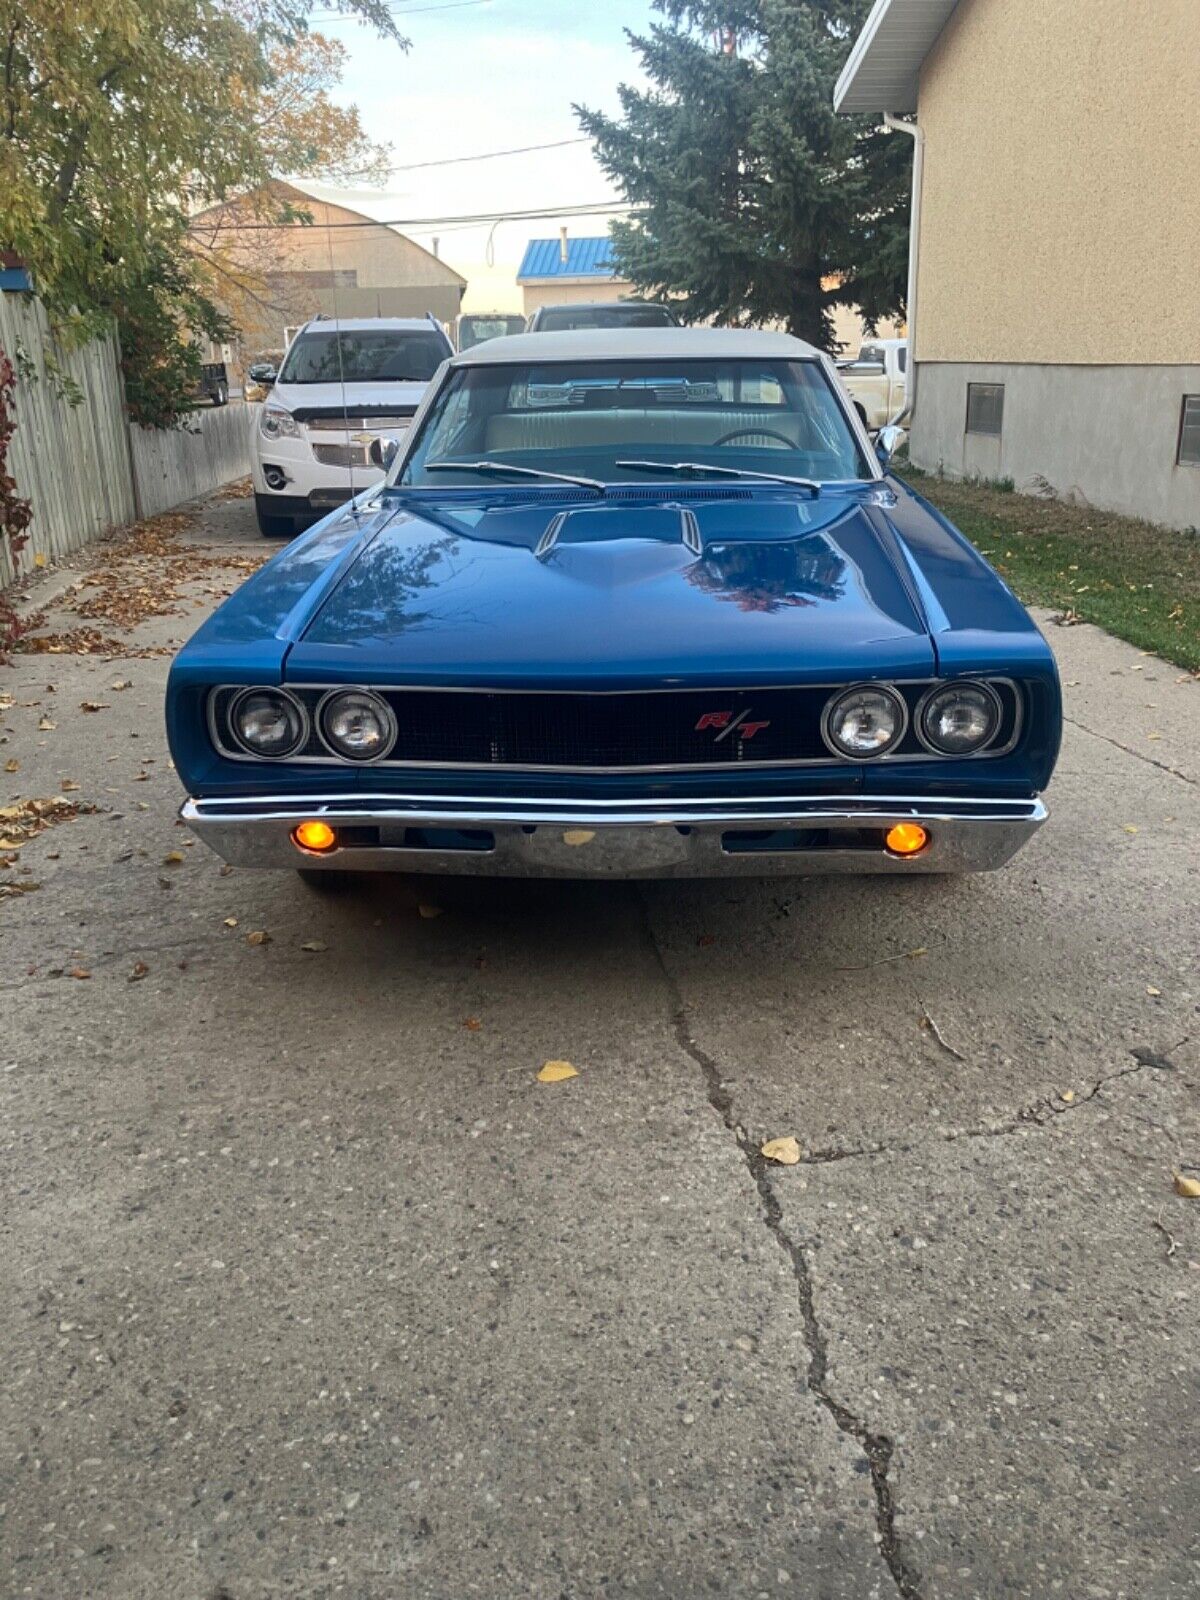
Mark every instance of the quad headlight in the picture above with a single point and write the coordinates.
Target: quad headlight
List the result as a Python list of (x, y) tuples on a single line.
[(268, 722), (357, 725), (959, 718), (276, 423), (864, 722)]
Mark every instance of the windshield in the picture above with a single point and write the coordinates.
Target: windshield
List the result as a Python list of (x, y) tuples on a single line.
[(387, 355), (587, 417), (558, 319), (474, 329)]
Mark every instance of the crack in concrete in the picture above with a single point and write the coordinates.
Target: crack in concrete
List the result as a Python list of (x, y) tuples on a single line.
[(877, 1447), (1138, 755), (1038, 1114)]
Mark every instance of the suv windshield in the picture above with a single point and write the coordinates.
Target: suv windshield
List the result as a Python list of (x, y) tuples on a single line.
[(389, 355), (558, 319), (586, 418)]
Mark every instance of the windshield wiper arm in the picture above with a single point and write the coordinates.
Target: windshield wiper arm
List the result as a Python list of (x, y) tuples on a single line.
[(523, 472), (689, 469)]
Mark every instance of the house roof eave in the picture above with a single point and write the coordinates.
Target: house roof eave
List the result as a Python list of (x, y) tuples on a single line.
[(884, 66)]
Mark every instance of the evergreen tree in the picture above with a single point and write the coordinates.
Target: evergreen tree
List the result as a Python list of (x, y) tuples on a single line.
[(760, 204)]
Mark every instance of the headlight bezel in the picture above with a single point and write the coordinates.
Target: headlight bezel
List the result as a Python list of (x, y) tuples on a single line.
[(304, 722), (886, 691), (286, 426), (950, 685), (386, 714)]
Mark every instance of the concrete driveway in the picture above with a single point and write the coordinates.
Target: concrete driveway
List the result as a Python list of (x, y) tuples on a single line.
[(311, 1288)]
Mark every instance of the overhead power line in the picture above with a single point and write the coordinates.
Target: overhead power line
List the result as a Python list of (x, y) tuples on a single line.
[(592, 209), (488, 155), (416, 11)]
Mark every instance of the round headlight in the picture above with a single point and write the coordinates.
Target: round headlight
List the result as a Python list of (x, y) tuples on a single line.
[(268, 723), (358, 725), (960, 718), (865, 722)]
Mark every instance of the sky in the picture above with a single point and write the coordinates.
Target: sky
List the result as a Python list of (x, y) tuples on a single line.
[(485, 75)]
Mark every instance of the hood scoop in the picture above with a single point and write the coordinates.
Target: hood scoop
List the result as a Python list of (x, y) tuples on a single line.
[(660, 524)]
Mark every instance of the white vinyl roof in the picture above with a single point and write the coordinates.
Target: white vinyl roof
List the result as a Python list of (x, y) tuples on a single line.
[(637, 344), (881, 73)]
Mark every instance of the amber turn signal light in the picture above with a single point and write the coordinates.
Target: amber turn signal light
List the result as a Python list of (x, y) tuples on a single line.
[(316, 836), (906, 839)]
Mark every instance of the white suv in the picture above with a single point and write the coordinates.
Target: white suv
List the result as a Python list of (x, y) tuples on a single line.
[(343, 384)]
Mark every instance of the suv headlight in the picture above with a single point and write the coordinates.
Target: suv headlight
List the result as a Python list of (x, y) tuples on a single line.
[(357, 725), (864, 722), (268, 722), (276, 423), (959, 718)]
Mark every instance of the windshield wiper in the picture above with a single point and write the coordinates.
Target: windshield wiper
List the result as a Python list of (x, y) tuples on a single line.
[(697, 469), (522, 472)]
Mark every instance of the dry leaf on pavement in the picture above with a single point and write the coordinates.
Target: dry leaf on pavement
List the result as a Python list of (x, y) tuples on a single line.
[(79, 972), (231, 922), (172, 858), (12, 765), (259, 936), (94, 705), (138, 970), (785, 1151), (472, 1024), (68, 786), (46, 726), (1187, 1188), (557, 1072), (315, 945)]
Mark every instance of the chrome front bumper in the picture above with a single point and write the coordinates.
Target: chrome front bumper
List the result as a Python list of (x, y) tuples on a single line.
[(527, 838)]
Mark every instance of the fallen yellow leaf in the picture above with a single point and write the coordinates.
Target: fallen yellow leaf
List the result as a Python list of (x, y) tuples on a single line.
[(1068, 1095), (1150, 989), (259, 936), (557, 1071), (12, 765), (68, 785), (579, 836), (314, 945), (785, 1151), (172, 858), (46, 726), (1129, 828), (231, 922), (79, 972), (1187, 1188)]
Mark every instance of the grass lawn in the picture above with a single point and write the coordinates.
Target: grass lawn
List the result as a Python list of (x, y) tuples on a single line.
[(1131, 578)]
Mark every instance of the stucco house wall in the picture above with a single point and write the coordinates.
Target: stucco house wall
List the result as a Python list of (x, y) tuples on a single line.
[(1060, 247), (583, 291)]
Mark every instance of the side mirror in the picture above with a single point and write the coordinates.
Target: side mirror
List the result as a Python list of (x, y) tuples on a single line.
[(887, 441), (382, 452)]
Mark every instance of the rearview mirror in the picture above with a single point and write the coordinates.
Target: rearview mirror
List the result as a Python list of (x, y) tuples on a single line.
[(382, 452), (887, 441)]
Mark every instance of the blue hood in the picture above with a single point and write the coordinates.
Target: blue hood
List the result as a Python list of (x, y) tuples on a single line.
[(744, 588)]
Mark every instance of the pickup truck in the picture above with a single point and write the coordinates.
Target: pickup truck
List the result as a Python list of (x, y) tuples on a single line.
[(876, 381)]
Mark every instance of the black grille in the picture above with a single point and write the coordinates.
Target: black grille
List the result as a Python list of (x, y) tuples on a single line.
[(673, 728)]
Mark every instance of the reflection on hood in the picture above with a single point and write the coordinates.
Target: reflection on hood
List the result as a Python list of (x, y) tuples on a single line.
[(767, 577)]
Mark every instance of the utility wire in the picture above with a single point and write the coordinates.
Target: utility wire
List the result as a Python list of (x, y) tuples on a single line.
[(488, 155), (346, 16), (594, 208)]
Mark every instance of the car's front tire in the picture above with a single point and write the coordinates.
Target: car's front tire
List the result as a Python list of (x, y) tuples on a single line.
[(270, 524)]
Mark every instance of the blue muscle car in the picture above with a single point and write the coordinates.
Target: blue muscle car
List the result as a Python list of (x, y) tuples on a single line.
[(629, 604)]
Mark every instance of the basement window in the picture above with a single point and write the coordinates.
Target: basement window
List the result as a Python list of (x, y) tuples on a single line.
[(985, 408), (1189, 432)]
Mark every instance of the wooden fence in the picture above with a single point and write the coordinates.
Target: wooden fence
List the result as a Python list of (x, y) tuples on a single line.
[(83, 467)]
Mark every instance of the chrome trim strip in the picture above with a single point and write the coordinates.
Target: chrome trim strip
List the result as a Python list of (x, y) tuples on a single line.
[(549, 538), (691, 531)]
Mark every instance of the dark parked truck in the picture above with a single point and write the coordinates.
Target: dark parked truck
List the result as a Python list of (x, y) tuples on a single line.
[(214, 383)]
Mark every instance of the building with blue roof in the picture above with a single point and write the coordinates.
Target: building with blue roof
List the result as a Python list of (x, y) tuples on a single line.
[(567, 271)]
